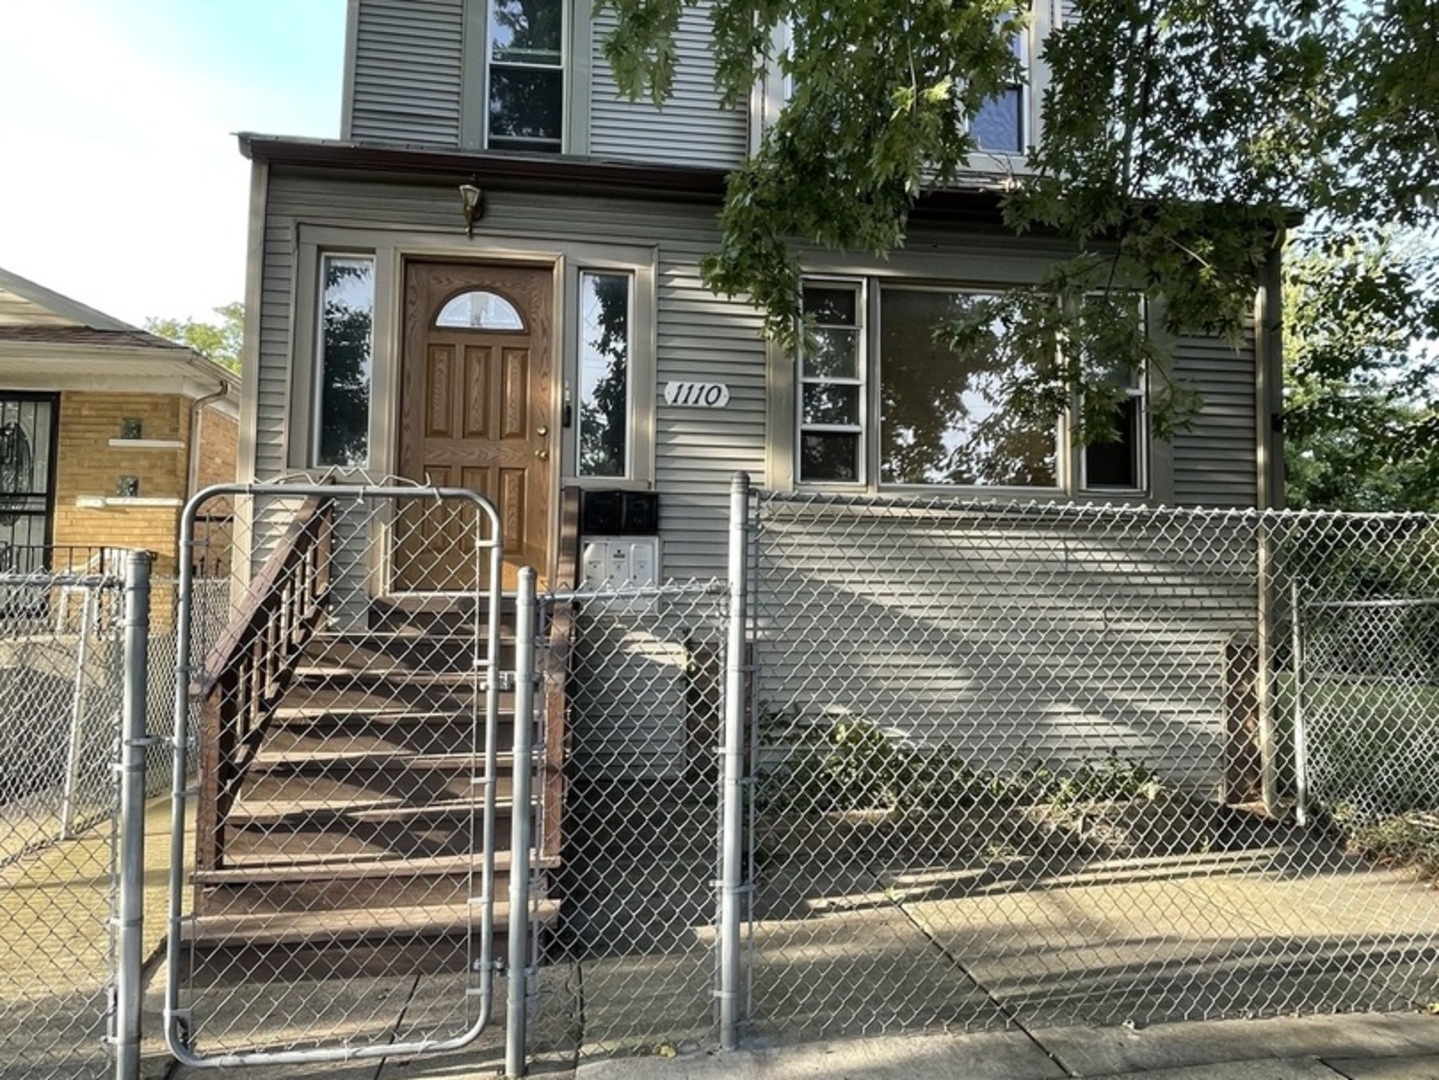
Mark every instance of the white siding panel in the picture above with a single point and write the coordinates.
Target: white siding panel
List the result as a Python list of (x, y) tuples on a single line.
[(408, 72), (691, 128)]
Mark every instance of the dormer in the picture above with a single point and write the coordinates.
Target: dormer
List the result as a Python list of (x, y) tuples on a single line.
[(525, 76)]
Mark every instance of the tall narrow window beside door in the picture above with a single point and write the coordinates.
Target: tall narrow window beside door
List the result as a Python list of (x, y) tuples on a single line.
[(526, 75), (347, 305), (605, 354)]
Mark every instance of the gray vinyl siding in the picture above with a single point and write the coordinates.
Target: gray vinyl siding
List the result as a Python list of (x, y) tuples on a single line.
[(700, 336), (1215, 461), (408, 72), (691, 128), (1042, 642)]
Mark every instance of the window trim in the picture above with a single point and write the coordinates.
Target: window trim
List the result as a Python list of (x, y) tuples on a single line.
[(860, 287), (1138, 391), (639, 264), (573, 392), (480, 69)]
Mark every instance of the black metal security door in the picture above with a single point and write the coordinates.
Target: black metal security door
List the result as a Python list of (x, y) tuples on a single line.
[(29, 432)]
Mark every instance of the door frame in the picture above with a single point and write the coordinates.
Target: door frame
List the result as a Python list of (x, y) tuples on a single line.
[(394, 419)]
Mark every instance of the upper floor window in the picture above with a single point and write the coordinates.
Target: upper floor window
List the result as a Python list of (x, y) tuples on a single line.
[(346, 355), (1000, 126), (526, 74)]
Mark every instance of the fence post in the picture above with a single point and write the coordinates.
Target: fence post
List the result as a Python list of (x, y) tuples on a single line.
[(130, 912), (731, 852), (520, 831)]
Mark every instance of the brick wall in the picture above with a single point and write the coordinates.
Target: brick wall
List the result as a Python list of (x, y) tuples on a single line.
[(88, 467)]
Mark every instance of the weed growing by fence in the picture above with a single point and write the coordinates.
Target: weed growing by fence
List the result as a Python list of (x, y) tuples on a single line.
[(851, 763)]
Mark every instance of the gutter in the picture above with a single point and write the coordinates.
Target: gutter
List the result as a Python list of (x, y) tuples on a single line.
[(197, 409)]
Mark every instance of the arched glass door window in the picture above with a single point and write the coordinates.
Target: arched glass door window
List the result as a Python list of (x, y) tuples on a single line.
[(479, 310)]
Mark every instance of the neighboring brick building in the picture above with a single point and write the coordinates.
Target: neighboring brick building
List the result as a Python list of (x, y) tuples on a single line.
[(105, 431)]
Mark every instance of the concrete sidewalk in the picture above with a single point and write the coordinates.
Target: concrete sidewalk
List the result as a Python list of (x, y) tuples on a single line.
[(1357, 1047)]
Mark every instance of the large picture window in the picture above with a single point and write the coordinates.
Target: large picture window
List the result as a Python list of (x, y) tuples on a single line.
[(606, 352), (526, 75), (346, 354), (942, 415), (890, 406)]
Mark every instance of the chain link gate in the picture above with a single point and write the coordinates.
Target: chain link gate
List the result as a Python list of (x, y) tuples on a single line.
[(341, 778), (1037, 763)]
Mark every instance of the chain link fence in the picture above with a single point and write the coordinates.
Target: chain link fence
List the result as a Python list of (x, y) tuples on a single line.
[(628, 964), (344, 795), (1049, 763), (60, 685)]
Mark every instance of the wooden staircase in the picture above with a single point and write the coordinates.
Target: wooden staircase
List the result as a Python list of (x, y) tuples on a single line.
[(342, 795)]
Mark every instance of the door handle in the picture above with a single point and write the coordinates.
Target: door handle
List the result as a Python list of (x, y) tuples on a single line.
[(542, 431), (542, 454)]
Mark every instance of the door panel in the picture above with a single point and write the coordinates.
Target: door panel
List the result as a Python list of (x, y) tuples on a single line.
[(475, 413)]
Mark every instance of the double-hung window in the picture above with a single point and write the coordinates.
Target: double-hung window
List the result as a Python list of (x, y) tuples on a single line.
[(831, 380), (526, 75), (1121, 462), (892, 406), (1001, 125)]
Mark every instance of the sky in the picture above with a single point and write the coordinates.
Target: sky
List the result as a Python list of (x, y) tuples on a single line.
[(121, 182)]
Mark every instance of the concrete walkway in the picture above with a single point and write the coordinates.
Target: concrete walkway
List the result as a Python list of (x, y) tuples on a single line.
[(1357, 1047)]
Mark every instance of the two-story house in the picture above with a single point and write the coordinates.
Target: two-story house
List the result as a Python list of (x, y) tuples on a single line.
[(491, 281), (578, 264)]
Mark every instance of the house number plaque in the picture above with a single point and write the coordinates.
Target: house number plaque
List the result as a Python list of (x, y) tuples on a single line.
[(701, 395)]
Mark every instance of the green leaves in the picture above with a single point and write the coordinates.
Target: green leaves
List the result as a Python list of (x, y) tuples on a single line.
[(1180, 139), (219, 340)]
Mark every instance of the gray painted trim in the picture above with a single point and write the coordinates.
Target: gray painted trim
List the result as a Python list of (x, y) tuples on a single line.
[(781, 411), (580, 75), (352, 51), (250, 352), (472, 75), (1161, 451), (298, 435)]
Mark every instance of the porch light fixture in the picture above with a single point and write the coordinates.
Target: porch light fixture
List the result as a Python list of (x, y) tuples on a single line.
[(472, 205)]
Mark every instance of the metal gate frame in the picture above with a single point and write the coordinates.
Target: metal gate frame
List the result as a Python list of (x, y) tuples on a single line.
[(175, 1017)]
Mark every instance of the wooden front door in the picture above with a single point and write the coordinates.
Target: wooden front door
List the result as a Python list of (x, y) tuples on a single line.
[(476, 413)]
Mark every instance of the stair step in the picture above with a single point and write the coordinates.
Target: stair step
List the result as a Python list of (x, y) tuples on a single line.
[(272, 813), (389, 674), (351, 925), (297, 760), (257, 871), (381, 700), (412, 651), (357, 786), (322, 740)]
